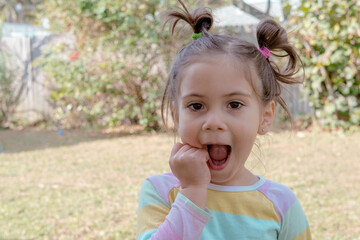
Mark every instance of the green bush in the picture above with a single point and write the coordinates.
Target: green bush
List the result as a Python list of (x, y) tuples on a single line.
[(114, 70), (328, 35)]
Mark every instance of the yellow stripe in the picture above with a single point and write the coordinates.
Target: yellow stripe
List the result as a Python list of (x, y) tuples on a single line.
[(250, 203), (151, 217), (172, 194), (304, 235)]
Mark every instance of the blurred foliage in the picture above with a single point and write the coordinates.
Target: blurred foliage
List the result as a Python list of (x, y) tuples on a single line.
[(19, 11), (114, 70), (328, 36)]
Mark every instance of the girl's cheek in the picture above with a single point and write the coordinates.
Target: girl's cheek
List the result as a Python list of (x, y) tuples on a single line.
[(186, 135)]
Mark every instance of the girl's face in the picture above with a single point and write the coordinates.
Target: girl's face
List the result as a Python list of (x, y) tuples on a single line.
[(218, 110)]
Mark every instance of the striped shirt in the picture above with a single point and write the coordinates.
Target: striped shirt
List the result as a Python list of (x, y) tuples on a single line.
[(265, 210)]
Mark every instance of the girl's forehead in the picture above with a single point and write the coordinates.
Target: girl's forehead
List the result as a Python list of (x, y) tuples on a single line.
[(219, 72)]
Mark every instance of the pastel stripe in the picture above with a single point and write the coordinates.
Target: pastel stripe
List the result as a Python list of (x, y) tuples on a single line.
[(204, 216), (146, 235), (239, 227), (253, 204), (167, 231), (281, 196), (151, 217), (149, 196), (305, 235), (187, 219), (294, 213), (173, 194)]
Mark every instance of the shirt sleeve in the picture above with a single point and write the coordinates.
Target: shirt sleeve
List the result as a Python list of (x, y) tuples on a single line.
[(294, 225), (159, 220)]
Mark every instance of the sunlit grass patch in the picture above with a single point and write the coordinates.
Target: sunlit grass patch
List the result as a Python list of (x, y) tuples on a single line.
[(81, 186)]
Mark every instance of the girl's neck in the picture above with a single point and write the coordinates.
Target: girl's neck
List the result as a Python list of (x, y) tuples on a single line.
[(245, 178)]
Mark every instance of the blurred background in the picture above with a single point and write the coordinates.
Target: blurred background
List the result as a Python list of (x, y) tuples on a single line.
[(103, 64), (80, 127)]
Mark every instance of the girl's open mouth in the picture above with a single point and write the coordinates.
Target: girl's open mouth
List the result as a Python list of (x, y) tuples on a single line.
[(219, 156)]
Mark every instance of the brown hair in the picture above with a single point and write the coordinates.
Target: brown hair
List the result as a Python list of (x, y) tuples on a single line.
[(269, 34)]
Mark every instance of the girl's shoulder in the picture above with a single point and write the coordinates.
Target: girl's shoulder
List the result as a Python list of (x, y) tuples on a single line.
[(166, 186), (276, 190), (280, 195), (165, 180)]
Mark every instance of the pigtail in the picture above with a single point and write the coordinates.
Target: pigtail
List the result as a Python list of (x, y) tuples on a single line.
[(200, 20), (273, 37)]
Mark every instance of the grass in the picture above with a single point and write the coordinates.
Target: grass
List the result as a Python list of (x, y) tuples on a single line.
[(85, 186)]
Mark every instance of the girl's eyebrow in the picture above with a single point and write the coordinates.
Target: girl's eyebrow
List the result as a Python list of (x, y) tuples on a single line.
[(192, 95), (238, 93), (231, 94)]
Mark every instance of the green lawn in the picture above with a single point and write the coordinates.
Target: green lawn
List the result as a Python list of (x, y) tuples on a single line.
[(85, 186)]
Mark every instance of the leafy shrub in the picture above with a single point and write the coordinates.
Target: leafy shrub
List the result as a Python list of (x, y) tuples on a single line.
[(113, 72), (328, 35)]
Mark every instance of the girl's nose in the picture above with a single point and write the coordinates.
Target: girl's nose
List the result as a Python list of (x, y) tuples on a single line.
[(213, 122)]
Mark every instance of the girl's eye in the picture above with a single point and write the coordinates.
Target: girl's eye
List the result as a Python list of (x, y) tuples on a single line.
[(196, 106), (235, 105)]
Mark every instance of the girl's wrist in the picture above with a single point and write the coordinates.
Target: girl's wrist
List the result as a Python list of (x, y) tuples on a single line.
[(197, 194)]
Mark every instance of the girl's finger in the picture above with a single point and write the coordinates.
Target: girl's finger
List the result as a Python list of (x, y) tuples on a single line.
[(177, 146), (183, 150), (179, 149)]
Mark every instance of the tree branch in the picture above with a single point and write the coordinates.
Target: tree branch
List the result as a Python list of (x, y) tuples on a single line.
[(268, 7), (250, 9)]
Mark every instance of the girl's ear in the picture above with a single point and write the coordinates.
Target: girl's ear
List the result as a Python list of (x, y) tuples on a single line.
[(267, 118)]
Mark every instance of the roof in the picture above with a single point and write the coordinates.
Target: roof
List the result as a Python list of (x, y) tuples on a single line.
[(233, 16)]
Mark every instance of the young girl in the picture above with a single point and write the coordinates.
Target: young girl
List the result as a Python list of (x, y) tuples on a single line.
[(222, 93)]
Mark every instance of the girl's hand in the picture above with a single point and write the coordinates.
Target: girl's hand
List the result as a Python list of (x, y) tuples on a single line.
[(189, 165)]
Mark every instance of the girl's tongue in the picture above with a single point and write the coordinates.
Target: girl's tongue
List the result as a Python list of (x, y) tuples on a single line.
[(218, 152)]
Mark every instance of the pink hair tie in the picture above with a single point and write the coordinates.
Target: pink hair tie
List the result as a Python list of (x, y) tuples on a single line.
[(264, 51)]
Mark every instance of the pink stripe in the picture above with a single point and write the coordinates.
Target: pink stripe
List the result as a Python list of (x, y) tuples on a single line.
[(186, 221), (165, 232), (182, 222)]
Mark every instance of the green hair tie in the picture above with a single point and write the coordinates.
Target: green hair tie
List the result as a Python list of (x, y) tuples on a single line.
[(196, 35)]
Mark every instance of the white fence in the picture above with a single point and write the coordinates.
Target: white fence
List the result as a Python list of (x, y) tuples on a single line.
[(22, 50)]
